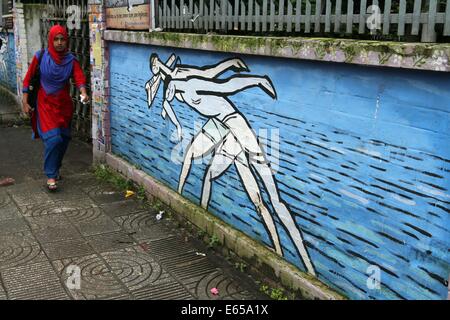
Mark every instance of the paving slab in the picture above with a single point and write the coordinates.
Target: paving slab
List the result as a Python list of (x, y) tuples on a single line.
[(14, 257), (52, 228), (36, 281), (122, 208), (3, 295), (67, 248), (8, 210), (111, 241), (13, 225), (97, 280)]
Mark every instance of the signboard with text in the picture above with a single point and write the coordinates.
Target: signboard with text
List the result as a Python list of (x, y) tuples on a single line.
[(128, 14), (6, 17)]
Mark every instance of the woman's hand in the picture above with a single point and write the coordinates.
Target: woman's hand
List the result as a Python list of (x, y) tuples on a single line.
[(84, 96), (26, 108)]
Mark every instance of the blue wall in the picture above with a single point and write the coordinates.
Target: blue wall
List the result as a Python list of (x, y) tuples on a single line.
[(364, 163), (8, 79)]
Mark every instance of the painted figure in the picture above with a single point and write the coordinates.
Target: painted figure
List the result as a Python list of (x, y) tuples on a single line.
[(226, 135)]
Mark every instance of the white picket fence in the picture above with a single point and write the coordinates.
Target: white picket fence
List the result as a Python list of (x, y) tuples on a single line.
[(401, 17)]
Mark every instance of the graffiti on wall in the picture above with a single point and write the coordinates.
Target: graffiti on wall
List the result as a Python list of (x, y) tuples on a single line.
[(3, 53), (7, 61), (227, 135), (98, 78), (364, 163)]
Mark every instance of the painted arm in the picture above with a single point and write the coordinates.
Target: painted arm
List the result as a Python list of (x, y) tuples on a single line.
[(152, 85), (168, 110), (169, 95), (211, 72), (152, 88)]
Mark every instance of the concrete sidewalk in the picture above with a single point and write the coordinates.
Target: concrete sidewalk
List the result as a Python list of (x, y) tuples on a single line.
[(122, 250)]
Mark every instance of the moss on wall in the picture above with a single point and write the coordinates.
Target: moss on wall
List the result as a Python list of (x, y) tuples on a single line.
[(227, 43), (422, 54)]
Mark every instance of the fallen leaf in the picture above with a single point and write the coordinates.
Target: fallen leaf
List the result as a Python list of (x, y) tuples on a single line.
[(129, 194)]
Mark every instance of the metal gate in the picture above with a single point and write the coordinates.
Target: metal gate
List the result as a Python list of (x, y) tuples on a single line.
[(79, 46)]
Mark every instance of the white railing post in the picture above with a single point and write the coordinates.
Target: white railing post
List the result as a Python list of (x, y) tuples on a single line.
[(428, 32)]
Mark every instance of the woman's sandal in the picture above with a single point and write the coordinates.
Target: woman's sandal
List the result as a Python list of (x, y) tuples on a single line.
[(52, 186)]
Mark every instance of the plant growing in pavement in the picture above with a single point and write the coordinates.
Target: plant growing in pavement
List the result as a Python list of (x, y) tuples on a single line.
[(141, 194), (213, 241), (240, 266), (274, 293), (105, 174)]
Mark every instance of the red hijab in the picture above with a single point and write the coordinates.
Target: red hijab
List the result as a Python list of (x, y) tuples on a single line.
[(54, 31)]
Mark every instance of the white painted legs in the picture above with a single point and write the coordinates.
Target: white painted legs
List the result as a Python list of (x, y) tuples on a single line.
[(244, 152), (200, 146), (283, 213), (254, 193)]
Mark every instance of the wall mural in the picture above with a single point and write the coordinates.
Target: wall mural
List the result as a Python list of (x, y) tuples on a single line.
[(357, 186), (3, 55), (7, 61), (226, 135)]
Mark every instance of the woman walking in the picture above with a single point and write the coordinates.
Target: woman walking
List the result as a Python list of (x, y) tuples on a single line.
[(54, 108)]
